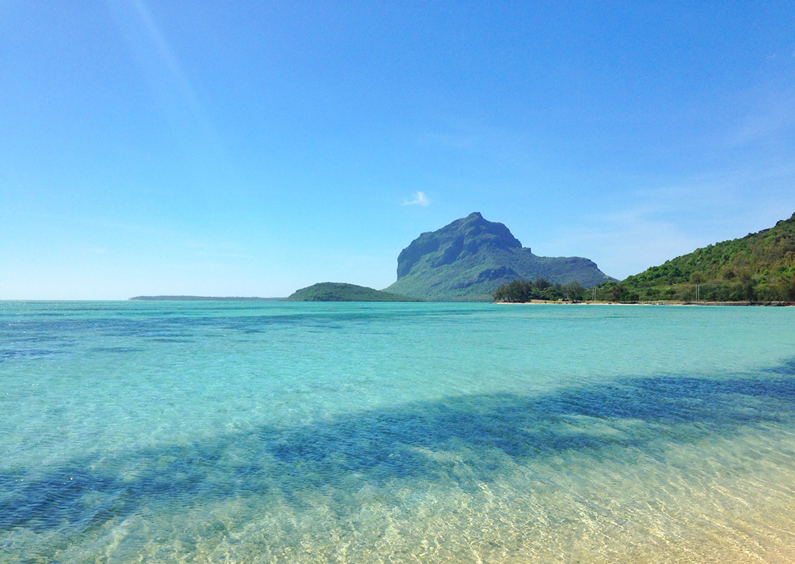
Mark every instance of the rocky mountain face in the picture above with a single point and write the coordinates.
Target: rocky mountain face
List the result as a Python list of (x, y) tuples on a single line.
[(469, 258)]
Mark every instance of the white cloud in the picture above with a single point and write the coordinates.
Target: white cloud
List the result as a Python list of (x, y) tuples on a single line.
[(419, 198)]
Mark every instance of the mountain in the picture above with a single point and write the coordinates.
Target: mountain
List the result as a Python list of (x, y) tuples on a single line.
[(341, 292), (469, 258), (759, 266)]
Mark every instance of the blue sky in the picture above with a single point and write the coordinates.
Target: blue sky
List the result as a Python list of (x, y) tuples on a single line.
[(253, 148)]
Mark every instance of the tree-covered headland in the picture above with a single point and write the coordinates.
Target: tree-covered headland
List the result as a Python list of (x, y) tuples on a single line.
[(759, 267), (342, 292)]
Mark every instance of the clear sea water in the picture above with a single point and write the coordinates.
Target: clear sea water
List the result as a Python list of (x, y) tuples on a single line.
[(300, 432)]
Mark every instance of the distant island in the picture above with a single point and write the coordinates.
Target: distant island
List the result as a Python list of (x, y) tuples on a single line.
[(341, 292), (471, 257), (202, 299)]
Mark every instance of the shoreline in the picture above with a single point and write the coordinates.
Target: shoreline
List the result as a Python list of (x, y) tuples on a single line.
[(700, 304)]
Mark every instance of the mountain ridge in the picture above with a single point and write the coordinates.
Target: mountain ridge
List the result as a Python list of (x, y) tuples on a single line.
[(471, 256)]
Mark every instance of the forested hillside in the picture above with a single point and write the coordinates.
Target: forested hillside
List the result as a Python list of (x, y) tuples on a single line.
[(759, 266)]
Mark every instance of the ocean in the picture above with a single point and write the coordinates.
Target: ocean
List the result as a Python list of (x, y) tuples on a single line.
[(407, 432)]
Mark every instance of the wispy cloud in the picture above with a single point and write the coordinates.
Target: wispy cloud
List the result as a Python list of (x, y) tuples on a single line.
[(419, 199)]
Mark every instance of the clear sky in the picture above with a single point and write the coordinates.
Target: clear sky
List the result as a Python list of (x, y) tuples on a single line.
[(252, 148)]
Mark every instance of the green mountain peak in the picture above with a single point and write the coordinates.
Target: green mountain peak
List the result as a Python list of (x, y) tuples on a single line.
[(462, 238), (469, 258)]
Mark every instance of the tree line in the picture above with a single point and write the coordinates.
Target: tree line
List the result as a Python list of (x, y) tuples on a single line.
[(740, 288), (519, 291), (743, 288)]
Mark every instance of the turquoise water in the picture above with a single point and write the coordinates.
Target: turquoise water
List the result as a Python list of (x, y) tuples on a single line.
[(299, 432)]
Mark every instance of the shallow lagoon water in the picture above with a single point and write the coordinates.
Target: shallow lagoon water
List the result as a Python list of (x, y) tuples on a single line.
[(300, 432)]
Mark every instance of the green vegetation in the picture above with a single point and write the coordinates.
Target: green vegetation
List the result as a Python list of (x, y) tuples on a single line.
[(340, 292), (471, 257), (519, 291), (757, 267)]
